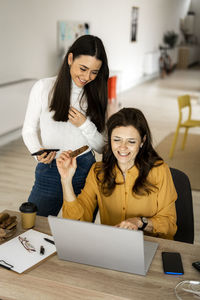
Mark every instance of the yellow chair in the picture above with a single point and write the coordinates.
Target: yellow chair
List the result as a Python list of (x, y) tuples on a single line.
[(183, 101)]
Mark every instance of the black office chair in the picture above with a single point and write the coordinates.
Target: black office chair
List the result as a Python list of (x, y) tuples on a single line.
[(184, 207)]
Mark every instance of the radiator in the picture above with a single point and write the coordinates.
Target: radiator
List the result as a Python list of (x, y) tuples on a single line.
[(151, 63)]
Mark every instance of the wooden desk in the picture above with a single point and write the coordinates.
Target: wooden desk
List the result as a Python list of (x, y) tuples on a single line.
[(57, 279)]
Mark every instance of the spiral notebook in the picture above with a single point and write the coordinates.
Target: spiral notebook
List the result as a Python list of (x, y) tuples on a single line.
[(24, 251)]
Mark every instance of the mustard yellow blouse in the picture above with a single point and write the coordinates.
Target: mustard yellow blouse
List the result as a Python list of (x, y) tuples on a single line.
[(159, 206)]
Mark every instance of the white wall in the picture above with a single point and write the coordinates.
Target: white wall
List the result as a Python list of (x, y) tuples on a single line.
[(195, 6), (29, 42), (13, 102)]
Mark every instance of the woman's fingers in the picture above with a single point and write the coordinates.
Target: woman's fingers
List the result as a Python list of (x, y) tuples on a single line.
[(73, 113), (65, 155), (76, 117), (46, 158), (66, 165), (50, 157), (127, 225), (66, 160), (42, 156)]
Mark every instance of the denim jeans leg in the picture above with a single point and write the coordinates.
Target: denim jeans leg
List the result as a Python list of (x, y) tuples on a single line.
[(47, 190)]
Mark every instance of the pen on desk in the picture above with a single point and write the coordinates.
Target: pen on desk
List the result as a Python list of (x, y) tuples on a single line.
[(5, 267), (42, 250), (49, 241)]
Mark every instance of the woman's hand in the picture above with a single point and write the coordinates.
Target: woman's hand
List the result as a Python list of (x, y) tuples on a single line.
[(132, 223), (76, 117), (135, 223), (66, 165), (46, 159)]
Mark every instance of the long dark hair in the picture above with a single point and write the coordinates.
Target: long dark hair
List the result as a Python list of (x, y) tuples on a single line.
[(95, 91), (146, 159)]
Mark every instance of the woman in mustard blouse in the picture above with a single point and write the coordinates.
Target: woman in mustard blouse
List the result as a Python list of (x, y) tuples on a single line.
[(132, 185)]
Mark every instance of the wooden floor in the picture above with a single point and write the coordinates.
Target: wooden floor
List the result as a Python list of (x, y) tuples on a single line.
[(157, 99), (16, 174)]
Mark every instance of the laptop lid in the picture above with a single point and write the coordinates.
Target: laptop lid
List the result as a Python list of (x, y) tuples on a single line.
[(101, 245)]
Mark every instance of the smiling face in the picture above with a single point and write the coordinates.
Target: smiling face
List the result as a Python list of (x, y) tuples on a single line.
[(125, 143), (83, 69)]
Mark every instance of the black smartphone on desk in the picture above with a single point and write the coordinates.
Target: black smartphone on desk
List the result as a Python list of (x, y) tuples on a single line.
[(172, 263), (196, 265), (40, 152)]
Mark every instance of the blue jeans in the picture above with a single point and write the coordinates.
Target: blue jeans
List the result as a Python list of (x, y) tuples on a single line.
[(47, 190)]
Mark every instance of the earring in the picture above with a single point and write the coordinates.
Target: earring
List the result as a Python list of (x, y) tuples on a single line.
[(141, 145)]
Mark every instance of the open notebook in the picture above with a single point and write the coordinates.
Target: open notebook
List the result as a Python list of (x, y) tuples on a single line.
[(16, 257), (102, 246)]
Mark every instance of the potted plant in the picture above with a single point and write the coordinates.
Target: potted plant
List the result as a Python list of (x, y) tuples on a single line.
[(170, 38)]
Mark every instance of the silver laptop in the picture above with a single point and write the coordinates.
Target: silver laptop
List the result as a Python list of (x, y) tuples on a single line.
[(102, 246)]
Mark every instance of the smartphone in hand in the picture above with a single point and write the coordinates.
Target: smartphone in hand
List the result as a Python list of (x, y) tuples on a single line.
[(172, 263), (40, 152)]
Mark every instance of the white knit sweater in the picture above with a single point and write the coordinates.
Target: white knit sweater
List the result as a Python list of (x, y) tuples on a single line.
[(61, 135)]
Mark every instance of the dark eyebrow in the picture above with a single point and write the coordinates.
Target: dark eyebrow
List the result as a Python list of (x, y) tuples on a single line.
[(84, 66), (129, 138), (88, 68)]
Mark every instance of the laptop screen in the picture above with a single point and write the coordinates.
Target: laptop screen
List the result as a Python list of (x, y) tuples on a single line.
[(101, 245)]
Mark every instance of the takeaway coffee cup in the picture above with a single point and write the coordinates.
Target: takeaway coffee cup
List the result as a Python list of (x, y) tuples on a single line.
[(28, 213)]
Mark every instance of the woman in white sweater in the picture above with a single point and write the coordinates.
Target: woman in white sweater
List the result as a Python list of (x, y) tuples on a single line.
[(67, 112)]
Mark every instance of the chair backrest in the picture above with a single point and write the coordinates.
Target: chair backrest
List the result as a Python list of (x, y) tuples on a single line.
[(184, 207), (184, 101), (112, 86)]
